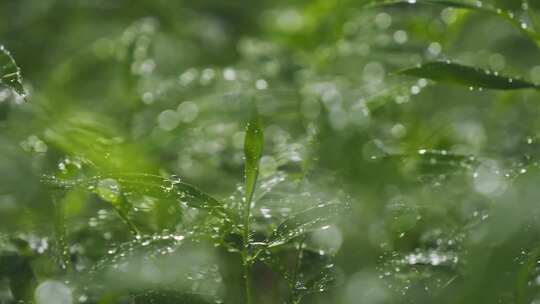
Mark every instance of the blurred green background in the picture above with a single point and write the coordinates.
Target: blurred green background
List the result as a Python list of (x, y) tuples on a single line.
[(441, 180)]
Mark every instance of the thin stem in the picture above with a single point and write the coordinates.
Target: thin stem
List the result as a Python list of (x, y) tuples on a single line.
[(247, 281), (247, 220), (132, 228), (123, 215), (60, 233), (246, 258), (253, 146), (297, 265)]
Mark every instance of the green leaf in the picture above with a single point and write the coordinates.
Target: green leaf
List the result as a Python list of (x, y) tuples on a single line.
[(456, 4), (253, 147), (184, 192), (469, 5), (446, 72), (10, 74), (449, 3), (170, 297), (188, 270), (306, 221), (110, 187)]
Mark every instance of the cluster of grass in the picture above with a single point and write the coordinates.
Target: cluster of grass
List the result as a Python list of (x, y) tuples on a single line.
[(328, 151)]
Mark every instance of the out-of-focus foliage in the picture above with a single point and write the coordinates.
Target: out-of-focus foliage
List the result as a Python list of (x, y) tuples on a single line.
[(390, 154)]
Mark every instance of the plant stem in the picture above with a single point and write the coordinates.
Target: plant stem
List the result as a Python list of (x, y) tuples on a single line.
[(132, 228), (297, 264), (60, 232), (246, 258), (122, 211), (298, 261), (247, 222), (247, 281), (253, 146)]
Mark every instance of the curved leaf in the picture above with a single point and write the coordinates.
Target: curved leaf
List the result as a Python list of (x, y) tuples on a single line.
[(10, 74), (470, 5), (449, 3), (109, 187), (306, 221), (157, 267), (191, 195), (447, 72)]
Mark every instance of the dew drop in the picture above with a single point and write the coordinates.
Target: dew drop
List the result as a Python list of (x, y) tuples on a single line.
[(383, 20), (187, 111), (168, 120), (109, 190), (53, 292)]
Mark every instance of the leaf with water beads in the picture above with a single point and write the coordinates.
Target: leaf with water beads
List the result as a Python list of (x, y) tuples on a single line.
[(434, 161), (253, 146), (320, 282), (474, 5), (10, 73), (145, 184), (449, 3), (306, 221), (453, 73), (307, 270), (191, 195), (170, 297), (159, 266)]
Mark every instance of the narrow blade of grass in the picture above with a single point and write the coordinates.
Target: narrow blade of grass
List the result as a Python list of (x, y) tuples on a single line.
[(449, 3), (474, 78), (253, 146)]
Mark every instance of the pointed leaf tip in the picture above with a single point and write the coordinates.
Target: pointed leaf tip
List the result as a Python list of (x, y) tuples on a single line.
[(10, 74), (253, 144), (253, 148), (448, 3), (447, 72)]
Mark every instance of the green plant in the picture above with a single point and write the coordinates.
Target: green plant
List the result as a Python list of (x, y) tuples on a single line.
[(222, 224), (398, 161)]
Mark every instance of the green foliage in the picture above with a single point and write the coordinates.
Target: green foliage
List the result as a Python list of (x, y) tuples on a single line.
[(269, 152), (123, 190)]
